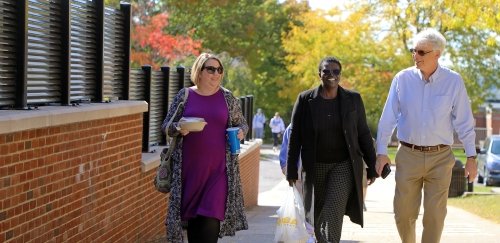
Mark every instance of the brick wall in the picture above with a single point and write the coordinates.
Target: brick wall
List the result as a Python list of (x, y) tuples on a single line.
[(495, 122), (77, 174), (78, 182), (249, 173), (480, 119)]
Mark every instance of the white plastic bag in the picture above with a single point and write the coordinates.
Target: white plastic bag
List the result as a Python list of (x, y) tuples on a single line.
[(290, 226), (310, 230)]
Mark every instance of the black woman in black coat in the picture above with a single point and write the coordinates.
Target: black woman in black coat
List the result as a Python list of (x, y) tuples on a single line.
[(332, 137)]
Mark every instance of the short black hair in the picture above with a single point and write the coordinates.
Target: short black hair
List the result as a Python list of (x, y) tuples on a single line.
[(330, 59)]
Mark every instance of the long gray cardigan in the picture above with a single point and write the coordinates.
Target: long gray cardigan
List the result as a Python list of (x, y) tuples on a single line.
[(235, 218), (358, 139)]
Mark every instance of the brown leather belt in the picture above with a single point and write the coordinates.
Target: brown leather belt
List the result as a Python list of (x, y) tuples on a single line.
[(424, 148)]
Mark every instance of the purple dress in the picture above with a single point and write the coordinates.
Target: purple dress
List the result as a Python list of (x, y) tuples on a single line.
[(204, 180)]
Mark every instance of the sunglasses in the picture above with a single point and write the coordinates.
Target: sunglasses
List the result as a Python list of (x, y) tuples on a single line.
[(212, 69), (420, 52), (332, 72)]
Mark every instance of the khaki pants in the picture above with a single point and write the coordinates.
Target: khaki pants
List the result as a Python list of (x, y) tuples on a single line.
[(430, 171)]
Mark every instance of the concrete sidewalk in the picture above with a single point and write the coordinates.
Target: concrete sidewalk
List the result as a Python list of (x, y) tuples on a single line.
[(460, 226)]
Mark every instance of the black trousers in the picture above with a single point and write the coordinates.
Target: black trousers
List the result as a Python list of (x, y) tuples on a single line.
[(276, 139), (333, 186), (203, 230)]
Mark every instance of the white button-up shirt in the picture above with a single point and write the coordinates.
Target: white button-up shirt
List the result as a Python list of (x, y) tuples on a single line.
[(426, 113)]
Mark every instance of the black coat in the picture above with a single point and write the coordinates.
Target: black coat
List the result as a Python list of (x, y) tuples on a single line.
[(358, 138)]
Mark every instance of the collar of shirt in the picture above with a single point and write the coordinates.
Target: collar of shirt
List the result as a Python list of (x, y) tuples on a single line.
[(434, 76)]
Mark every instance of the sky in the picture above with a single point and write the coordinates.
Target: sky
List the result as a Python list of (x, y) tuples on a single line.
[(325, 4)]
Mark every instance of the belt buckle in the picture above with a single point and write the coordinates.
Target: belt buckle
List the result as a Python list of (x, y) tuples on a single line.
[(431, 148)]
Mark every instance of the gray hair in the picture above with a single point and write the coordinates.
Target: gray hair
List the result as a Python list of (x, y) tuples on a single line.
[(433, 37)]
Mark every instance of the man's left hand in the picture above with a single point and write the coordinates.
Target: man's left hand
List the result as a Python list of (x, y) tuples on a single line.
[(471, 169)]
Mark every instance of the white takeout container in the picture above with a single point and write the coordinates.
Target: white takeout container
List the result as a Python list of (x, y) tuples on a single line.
[(192, 124)]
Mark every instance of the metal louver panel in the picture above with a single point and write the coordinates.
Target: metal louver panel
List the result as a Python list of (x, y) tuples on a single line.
[(136, 84), (157, 107), (173, 86), (113, 54), (187, 78), (7, 53), (83, 51), (44, 48)]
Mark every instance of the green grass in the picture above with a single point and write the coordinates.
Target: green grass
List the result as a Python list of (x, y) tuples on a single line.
[(391, 152), (460, 155), (485, 206), (481, 188)]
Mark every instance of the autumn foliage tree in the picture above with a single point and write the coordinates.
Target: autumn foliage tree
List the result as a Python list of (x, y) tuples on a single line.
[(368, 61), (472, 32), (247, 35), (151, 45), (372, 38)]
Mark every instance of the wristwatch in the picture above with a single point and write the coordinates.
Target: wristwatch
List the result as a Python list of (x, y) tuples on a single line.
[(472, 157)]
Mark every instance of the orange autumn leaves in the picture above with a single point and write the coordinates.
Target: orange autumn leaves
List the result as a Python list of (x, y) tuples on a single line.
[(151, 45)]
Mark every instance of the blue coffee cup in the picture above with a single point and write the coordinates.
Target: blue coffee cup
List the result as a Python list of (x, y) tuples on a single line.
[(232, 138)]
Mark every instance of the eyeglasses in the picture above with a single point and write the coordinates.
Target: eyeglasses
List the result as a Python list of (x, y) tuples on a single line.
[(332, 72), (212, 69), (420, 52)]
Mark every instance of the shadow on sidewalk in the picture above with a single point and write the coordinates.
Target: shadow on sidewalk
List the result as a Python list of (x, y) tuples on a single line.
[(261, 226)]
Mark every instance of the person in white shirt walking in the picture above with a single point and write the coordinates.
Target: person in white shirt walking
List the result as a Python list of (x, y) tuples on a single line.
[(426, 102), (277, 127)]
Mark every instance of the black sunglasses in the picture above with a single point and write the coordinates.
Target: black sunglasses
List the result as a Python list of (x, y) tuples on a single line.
[(212, 69), (331, 72), (420, 52)]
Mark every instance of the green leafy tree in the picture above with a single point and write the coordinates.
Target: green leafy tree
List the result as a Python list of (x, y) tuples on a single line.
[(248, 35), (372, 38), (368, 59), (112, 3), (471, 28)]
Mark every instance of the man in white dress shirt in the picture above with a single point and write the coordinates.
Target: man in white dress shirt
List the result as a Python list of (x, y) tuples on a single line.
[(427, 102)]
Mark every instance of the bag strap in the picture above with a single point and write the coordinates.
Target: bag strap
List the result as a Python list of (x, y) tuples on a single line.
[(174, 139)]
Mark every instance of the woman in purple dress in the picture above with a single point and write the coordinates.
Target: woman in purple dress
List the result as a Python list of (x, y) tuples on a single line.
[(206, 189)]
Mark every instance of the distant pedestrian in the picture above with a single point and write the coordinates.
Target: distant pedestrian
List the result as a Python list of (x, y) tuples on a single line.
[(258, 122), (277, 128), (426, 102)]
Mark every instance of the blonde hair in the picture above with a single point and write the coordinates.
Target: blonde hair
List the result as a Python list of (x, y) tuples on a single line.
[(199, 64)]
